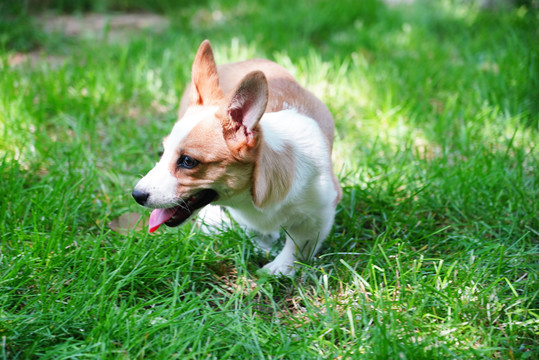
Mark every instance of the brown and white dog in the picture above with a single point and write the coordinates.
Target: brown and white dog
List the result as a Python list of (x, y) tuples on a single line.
[(249, 138)]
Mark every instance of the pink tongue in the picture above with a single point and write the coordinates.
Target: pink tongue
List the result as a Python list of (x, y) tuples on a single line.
[(158, 217)]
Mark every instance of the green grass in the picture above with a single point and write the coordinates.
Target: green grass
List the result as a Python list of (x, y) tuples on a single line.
[(435, 244)]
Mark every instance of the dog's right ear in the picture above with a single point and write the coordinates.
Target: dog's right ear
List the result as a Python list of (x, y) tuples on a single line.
[(242, 110), (205, 79)]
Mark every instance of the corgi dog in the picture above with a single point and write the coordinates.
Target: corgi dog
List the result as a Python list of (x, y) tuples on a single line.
[(250, 139)]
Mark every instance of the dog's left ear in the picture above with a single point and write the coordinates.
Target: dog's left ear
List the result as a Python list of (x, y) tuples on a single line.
[(242, 111), (205, 79)]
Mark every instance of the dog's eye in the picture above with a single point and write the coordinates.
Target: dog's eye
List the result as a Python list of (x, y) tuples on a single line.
[(187, 162)]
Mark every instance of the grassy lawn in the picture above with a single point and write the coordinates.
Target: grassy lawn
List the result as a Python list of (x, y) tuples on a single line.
[(434, 252)]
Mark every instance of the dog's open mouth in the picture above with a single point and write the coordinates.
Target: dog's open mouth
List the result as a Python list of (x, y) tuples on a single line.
[(176, 215)]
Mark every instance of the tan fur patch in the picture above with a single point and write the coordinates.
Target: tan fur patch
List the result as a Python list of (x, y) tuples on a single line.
[(217, 169)]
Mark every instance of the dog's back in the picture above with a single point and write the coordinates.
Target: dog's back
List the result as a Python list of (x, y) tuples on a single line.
[(284, 92)]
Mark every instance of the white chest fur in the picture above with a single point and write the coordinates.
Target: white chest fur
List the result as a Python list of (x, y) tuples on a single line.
[(307, 210)]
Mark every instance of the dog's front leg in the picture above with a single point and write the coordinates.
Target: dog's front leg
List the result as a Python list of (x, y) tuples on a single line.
[(212, 218), (302, 242), (264, 242)]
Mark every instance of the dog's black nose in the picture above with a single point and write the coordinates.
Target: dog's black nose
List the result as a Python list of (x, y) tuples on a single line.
[(140, 196)]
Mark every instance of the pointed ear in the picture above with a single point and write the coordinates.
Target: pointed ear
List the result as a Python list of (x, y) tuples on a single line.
[(205, 78), (243, 109)]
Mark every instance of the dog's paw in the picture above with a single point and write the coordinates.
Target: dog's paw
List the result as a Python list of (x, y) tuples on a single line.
[(279, 268)]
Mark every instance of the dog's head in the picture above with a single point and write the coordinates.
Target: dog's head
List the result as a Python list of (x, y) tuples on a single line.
[(210, 153)]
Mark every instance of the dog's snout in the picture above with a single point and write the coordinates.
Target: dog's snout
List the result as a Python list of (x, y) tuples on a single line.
[(140, 196)]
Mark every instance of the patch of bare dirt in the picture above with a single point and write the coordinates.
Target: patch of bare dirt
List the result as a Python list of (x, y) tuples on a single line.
[(128, 222), (115, 28)]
